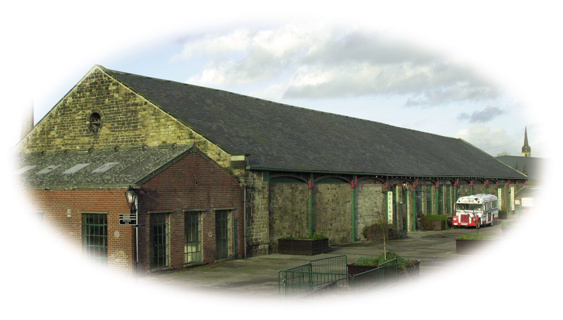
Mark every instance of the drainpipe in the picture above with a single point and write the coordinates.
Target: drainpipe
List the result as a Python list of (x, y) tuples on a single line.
[(437, 206), (455, 196), (136, 227), (414, 194), (354, 184), (311, 187), (244, 221)]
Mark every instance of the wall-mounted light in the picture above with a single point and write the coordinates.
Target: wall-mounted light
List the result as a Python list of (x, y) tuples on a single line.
[(131, 197)]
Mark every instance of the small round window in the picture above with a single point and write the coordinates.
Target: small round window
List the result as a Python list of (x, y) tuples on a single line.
[(95, 122)]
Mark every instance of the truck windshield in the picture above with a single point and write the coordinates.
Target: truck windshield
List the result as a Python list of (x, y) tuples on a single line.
[(469, 206)]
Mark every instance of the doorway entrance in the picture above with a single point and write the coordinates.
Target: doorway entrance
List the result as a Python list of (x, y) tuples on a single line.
[(223, 234)]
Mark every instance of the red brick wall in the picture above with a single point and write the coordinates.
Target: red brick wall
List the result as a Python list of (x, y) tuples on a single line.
[(63, 209), (194, 182)]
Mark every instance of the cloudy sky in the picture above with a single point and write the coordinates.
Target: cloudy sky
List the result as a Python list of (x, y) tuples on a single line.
[(340, 69), (477, 70)]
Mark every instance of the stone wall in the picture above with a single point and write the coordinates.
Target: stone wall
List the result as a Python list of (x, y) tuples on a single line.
[(289, 216), (332, 212), (126, 119), (257, 213), (370, 206)]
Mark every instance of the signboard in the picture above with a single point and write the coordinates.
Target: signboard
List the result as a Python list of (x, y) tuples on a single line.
[(128, 219), (390, 207), (499, 196)]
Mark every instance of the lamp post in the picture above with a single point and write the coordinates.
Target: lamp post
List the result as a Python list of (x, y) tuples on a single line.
[(132, 200)]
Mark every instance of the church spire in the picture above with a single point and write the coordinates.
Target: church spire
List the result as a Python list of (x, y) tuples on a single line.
[(526, 150)]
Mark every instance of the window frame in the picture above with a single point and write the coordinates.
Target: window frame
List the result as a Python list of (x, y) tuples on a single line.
[(159, 256), (191, 225), (97, 250)]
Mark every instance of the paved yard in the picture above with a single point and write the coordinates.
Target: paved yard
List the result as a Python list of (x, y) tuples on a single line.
[(258, 276)]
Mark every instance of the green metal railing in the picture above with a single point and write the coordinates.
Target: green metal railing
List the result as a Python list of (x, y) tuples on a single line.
[(313, 276), (385, 273), (328, 273)]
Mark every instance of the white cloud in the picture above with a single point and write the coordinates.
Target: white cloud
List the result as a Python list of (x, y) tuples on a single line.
[(317, 61), (494, 140)]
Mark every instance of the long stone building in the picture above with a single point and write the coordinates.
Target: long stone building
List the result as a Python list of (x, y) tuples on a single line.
[(217, 175)]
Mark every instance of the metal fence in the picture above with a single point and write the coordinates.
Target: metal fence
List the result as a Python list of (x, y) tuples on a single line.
[(325, 274), (385, 273), (314, 276)]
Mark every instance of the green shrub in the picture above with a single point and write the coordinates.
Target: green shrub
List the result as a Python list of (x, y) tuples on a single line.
[(436, 217), (371, 261), (426, 220), (378, 229), (317, 236), (474, 237)]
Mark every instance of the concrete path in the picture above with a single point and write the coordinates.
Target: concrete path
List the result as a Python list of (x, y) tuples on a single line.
[(258, 276)]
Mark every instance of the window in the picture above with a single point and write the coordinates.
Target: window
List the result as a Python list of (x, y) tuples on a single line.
[(159, 235), (95, 236), (192, 228), (95, 122)]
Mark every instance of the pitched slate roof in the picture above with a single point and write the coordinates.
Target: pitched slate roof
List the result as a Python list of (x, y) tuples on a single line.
[(286, 138), (531, 166), (98, 168)]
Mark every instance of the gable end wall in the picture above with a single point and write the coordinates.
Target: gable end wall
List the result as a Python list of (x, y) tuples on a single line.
[(128, 119)]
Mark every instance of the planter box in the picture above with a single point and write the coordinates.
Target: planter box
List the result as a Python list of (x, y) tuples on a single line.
[(413, 269), (502, 215), (354, 269), (470, 246), (303, 247)]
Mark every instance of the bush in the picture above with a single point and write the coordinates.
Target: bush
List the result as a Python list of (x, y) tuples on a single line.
[(474, 237), (402, 263), (427, 220), (377, 229), (436, 217)]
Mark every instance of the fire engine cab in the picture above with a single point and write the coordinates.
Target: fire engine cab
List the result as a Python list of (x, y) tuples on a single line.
[(475, 211)]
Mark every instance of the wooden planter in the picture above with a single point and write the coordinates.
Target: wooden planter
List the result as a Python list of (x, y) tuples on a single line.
[(354, 269), (502, 215), (302, 246), (470, 246)]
